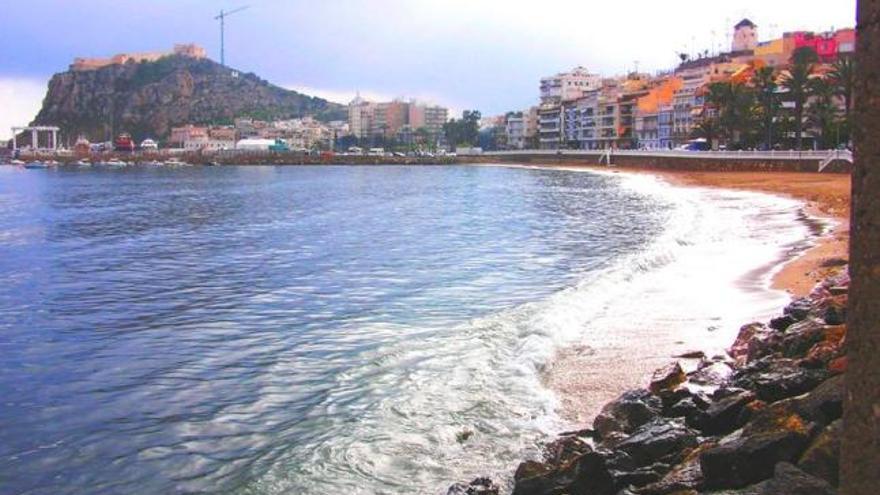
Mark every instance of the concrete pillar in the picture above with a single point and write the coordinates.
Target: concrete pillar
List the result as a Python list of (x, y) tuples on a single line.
[(35, 136), (14, 140), (860, 448)]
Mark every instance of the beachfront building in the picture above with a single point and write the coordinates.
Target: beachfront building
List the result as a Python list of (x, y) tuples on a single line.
[(189, 132), (550, 118), (515, 130), (568, 86), (652, 109), (396, 119)]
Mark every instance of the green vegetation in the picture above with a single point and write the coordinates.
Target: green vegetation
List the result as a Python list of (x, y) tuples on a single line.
[(464, 131), (775, 109)]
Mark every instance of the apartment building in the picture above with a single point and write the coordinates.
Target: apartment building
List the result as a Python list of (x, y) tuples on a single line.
[(568, 86)]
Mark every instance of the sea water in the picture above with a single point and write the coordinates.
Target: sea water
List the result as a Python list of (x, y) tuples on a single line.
[(352, 330)]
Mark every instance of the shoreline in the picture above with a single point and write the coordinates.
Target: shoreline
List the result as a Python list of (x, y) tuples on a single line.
[(800, 273)]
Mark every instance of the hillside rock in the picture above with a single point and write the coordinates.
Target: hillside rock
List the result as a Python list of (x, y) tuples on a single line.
[(148, 99)]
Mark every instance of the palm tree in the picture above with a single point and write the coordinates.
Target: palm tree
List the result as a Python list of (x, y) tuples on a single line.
[(764, 82), (821, 112), (708, 129), (797, 82), (732, 103), (842, 77)]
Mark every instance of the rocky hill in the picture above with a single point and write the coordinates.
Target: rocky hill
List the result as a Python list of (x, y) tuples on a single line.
[(148, 99)]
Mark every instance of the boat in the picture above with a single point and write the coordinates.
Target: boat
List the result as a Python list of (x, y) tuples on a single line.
[(35, 165), (123, 143), (16, 162), (115, 163), (175, 162), (83, 163)]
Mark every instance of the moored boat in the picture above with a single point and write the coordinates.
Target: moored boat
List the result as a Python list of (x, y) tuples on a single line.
[(35, 165)]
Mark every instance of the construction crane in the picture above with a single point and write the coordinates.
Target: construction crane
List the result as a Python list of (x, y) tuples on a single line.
[(223, 15)]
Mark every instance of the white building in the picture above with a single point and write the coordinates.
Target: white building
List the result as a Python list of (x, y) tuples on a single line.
[(208, 145), (745, 36), (516, 131), (568, 86), (254, 144), (149, 145)]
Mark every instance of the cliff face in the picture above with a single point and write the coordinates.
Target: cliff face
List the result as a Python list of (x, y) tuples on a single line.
[(148, 99)]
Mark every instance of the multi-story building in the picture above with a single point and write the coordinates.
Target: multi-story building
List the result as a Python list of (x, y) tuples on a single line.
[(395, 119), (550, 117), (568, 86), (189, 132), (653, 117), (515, 128)]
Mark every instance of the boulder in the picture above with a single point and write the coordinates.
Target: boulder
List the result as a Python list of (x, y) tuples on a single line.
[(822, 405), (587, 475), (776, 379), (799, 308), (822, 457), (565, 449), (834, 310), (667, 378), (748, 459), (782, 322), (662, 439), (802, 336), (723, 416), (479, 486), (686, 476), (714, 374), (789, 480), (750, 341), (627, 412)]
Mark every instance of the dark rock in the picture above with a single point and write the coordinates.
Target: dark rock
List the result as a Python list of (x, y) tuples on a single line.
[(799, 308), (723, 416), (789, 480), (685, 408), (822, 457), (667, 378), (776, 379), (713, 374), (565, 449), (745, 460), (692, 355), (658, 440), (587, 475), (802, 336), (782, 322), (835, 310), (824, 404), (640, 476), (686, 476), (750, 341), (479, 486), (626, 413)]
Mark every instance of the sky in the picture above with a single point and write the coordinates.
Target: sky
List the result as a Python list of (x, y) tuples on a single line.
[(482, 54)]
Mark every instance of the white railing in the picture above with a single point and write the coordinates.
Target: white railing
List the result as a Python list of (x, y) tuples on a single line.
[(821, 156)]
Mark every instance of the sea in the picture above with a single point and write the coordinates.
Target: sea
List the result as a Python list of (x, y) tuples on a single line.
[(342, 329)]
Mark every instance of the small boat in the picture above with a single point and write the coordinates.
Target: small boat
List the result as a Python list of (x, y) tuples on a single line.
[(35, 165), (16, 162), (115, 163), (83, 163), (175, 162)]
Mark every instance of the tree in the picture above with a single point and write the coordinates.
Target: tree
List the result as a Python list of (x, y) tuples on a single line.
[(860, 448), (764, 82), (842, 77), (797, 83), (465, 131), (732, 102), (707, 129), (822, 113)]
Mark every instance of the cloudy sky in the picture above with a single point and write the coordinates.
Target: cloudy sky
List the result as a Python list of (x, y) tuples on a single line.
[(484, 54)]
